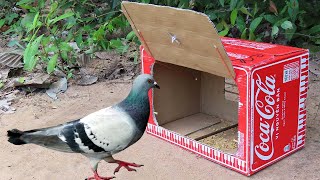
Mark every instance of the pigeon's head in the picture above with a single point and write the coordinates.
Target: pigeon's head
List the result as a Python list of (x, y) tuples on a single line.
[(145, 82)]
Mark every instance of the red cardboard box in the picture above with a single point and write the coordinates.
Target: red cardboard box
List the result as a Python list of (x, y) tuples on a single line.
[(269, 81)]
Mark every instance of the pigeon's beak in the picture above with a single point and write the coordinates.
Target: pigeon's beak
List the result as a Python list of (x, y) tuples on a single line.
[(156, 85)]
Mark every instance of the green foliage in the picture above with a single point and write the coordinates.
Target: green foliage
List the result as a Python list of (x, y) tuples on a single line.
[(52, 63), (48, 28), (289, 22), (1, 84), (30, 57), (21, 80)]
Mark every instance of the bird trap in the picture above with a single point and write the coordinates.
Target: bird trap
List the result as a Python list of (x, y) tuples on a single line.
[(237, 103)]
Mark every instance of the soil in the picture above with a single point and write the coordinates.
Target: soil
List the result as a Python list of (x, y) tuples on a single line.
[(161, 160)]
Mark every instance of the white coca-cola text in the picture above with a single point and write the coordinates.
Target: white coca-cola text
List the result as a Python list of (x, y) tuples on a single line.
[(264, 105)]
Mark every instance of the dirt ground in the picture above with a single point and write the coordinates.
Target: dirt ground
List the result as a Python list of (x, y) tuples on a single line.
[(161, 160)]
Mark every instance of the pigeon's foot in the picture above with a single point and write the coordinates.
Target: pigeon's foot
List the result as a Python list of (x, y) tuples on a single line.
[(97, 177), (125, 165)]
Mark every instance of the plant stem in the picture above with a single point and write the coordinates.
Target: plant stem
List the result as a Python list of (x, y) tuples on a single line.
[(56, 43)]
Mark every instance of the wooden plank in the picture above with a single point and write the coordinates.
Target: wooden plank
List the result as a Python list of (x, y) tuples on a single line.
[(200, 45)]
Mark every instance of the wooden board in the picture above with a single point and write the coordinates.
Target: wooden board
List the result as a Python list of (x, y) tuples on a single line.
[(191, 124), (198, 44)]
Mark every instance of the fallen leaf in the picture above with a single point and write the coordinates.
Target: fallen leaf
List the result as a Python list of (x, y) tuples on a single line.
[(86, 79), (4, 73), (38, 80), (102, 55), (12, 58), (57, 87), (5, 103), (59, 73)]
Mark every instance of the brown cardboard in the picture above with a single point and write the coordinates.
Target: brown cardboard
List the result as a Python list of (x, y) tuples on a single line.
[(214, 129), (198, 45), (213, 100), (180, 92), (192, 124), (231, 91), (266, 116), (191, 102)]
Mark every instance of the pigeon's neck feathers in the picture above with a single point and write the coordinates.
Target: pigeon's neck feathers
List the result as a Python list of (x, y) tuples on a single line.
[(137, 95), (137, 106)]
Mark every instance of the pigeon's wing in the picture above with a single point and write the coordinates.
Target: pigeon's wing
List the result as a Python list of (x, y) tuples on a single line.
[(60, 137), (110, 130)]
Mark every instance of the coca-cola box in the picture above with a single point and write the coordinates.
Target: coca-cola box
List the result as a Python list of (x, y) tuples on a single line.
[(235, 102)]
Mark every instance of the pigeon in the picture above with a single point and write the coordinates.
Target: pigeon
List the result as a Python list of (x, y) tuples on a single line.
[(100, 134)]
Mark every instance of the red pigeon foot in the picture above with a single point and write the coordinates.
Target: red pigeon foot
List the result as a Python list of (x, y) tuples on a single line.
[(125, 165), (97, 177)]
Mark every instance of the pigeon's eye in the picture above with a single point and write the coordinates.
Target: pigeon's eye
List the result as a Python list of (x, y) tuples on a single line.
[(149, 81)]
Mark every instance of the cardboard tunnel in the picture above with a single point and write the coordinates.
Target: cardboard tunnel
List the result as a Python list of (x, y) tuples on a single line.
[(237, 103)]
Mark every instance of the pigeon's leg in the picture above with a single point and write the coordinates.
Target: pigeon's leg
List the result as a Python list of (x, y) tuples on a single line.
[(122, 164), (94, 165)]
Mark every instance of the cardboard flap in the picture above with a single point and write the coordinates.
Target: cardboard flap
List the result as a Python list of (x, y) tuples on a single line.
[(178, 36)]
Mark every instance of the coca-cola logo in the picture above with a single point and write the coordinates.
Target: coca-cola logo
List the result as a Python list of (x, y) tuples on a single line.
[(264, 105)]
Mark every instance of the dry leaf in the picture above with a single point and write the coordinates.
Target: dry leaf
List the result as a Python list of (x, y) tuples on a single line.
[(4, 73), (57, 87), (86, 78), (4, 28), (12, 58), (38, 80), (273, 7), (5, 103)]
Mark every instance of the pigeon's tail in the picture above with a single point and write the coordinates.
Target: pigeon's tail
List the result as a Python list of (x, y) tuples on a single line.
[(14, 137)]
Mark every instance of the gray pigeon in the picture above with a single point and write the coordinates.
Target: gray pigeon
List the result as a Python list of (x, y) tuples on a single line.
[(101, 134)]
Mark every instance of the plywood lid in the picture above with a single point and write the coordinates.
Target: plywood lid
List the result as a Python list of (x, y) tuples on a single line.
[(178, 36)]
